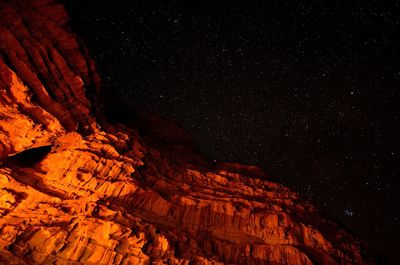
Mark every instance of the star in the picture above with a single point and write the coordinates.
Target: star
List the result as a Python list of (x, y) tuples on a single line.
[(348, 212)]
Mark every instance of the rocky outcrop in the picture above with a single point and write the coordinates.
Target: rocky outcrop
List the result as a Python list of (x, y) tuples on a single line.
[(73, 191)]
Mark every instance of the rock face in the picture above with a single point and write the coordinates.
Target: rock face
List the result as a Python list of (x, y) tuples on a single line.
[(74, 190)]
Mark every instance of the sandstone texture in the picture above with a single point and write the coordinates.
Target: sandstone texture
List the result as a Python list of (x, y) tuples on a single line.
[(75, 189)]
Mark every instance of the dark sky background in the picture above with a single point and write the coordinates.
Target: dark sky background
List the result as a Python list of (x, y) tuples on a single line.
[(309, 92)]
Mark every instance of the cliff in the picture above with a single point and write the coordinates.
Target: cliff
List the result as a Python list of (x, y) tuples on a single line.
[(75, 189)]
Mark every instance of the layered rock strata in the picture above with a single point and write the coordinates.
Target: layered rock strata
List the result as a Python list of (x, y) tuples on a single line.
[(77, 191)]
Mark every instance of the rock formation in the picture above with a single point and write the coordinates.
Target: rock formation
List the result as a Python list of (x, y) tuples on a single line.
[(75, 189)]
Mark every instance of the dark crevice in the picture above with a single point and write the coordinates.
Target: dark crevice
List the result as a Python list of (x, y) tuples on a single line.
[(29, 157)]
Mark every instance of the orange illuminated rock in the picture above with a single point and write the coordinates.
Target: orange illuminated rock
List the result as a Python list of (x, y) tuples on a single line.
[(75, 192)]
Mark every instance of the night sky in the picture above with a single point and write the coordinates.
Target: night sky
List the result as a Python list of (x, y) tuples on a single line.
[(308, 92)]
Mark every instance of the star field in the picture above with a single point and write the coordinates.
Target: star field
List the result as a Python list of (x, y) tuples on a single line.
[(307, 92)]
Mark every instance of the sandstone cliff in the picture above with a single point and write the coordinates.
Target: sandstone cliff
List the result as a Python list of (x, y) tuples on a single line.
[(74, 190)]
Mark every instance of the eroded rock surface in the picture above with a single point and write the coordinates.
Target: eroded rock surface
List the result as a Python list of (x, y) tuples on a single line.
[(74, 191)]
